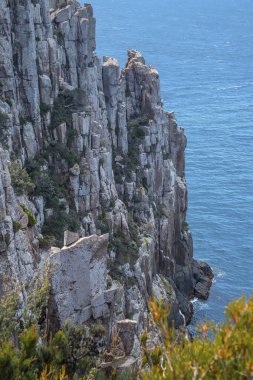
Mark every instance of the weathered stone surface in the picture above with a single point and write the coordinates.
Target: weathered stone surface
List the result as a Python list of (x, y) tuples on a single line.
[(79, 279), (127, 330), (70, 237), (203, 277)]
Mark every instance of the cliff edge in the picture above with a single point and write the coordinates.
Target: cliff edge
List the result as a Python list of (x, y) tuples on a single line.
[(92, 165)]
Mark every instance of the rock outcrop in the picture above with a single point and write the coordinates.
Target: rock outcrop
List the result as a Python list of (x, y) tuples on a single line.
[(89, 151)]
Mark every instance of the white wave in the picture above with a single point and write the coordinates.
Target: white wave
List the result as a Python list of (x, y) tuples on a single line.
[(117, 28), (221, 274), (235, 87), (203, 306)]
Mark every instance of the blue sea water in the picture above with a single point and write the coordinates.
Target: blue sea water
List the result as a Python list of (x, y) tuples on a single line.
[(203, 50)]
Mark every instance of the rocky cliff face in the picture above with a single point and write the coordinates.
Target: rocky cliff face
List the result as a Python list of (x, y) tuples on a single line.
[(89, 151)]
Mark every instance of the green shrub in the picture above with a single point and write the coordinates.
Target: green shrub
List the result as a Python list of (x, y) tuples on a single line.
[(24, 120), (59, 36), (97, 329), (49, 186), (224, 352), (71, 134), (67, 103), (167, 156), (16, 226), (185, 226), (61, 152), (126, 247), (138, 121), (139, 133), (9, 101), (44, 108), (20, 179), (59, 222), (159, 211), (46, 241), (26, 352), (31, 218), (4, 118)]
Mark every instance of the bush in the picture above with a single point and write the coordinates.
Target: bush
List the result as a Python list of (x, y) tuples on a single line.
[(26, 352), (59, 222), (185, 226), (16, 226), (59, 36), (31, 218), (159, 211), (9, 101), (44, 108), (138, 121), (60, 151), (20, 179), (4, 118), (167, 156), (46, 241), (24, 120), (67, 103), (223, 352)]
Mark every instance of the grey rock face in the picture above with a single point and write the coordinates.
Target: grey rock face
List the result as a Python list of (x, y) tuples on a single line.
[(106, 158), (79, 279)]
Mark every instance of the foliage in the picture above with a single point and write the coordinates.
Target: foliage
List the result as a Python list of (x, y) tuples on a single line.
[(20, 179), (16, 226), (9, 101), (24, 120), (126, 248), (138, 121), (28, 351), (135, 126), (167, 156), (4, 122), (132, 160), (59, 222), (53, 188), (223, 353), (67, 103), (60, 151), (185, 226), (44, 108), (159, 211), (31, 218), (59, 36), (3, 118), (47, 241)]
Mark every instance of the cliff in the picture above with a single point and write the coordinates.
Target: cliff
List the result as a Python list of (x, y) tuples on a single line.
[(92, 165)]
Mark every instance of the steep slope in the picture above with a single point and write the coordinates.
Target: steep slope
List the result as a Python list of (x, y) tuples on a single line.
[(105, 165)]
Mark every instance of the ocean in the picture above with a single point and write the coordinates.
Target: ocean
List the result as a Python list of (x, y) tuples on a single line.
[(203, 50)]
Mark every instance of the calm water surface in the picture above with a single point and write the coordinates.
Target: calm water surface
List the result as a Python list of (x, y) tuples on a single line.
[(203, 50)]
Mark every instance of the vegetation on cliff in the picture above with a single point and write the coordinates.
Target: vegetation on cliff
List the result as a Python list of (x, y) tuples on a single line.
[(217, 352), (29, 351)]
